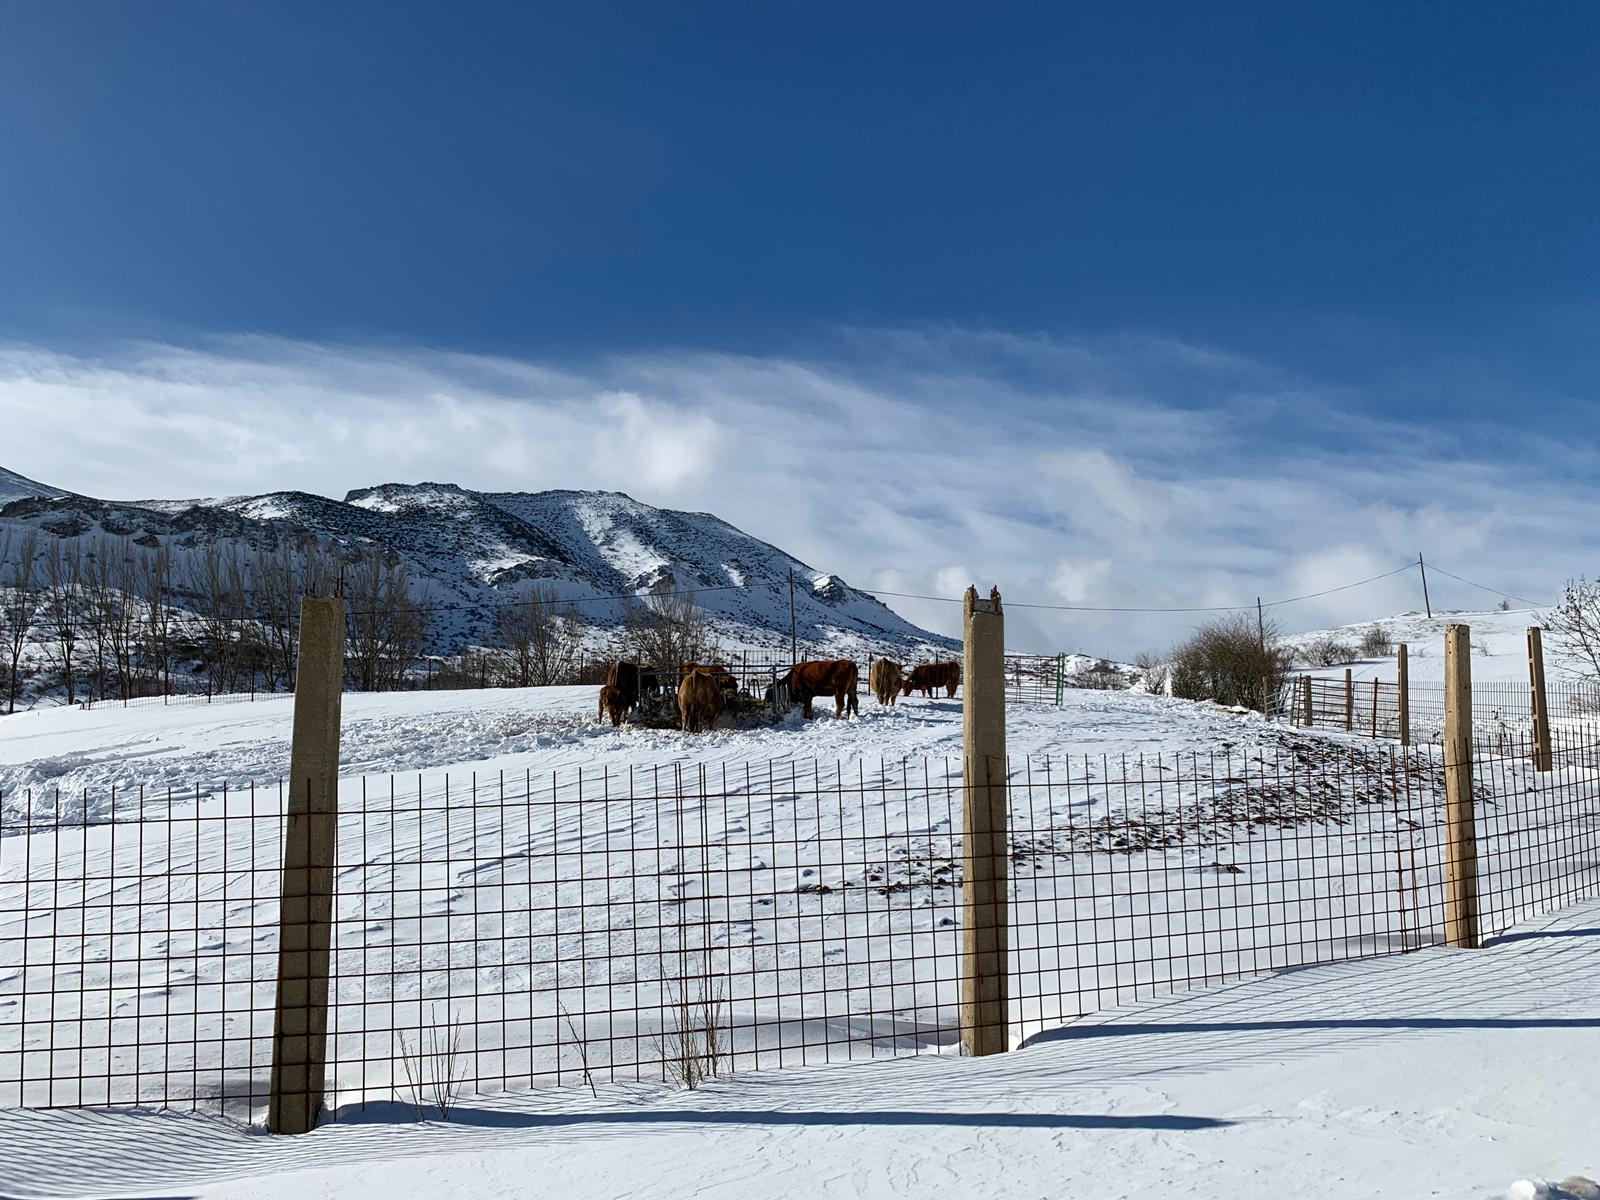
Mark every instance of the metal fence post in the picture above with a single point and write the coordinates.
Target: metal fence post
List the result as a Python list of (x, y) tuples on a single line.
[(1461, 867), (1404, 678), (1543, 757), (305, 920), (984, 961)]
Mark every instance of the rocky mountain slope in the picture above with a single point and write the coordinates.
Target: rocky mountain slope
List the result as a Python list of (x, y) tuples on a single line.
[(471, 549)]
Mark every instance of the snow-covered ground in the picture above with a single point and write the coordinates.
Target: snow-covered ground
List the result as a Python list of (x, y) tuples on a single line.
[(1499, 647), (77, 751), (1445, 1074), (144, 949)]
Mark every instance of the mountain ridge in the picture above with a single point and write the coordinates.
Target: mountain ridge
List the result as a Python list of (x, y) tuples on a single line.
[(471, 550)]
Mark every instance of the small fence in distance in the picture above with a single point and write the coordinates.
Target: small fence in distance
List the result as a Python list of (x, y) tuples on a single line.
[(664, 922), (1371, 707)]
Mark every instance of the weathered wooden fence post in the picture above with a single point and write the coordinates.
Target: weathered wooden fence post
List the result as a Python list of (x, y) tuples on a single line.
[(1543, 755), (984, 961), (1405, 695), (1374, 707), (1305, 697), (1461, 838), (1349, 700), (305, 919)]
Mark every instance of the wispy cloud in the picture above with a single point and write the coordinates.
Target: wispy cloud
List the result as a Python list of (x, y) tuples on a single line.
[(1132, 471)]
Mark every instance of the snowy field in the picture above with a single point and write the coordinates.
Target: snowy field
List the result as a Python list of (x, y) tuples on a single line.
[(1445, 1074), (88, 753), (563, 902), (568, 899)]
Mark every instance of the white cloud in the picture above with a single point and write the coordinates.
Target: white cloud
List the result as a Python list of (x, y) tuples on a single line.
[(1130, 471)]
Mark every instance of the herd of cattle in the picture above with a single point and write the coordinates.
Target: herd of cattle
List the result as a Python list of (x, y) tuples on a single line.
[(704, 691)]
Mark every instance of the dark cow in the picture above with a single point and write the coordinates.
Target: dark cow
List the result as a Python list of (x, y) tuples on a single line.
[(699, 700), (884, 679), (931, 676), (832, 677), (621, 690)]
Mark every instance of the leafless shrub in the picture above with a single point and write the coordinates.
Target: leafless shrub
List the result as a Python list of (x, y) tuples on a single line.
[(1099, 676), (1152, 670), (1375, 642), (1231, 660), (692, 1046), (431, 1071), (1328, 650), (1574, 626), (1504, 605), (583, 1049)]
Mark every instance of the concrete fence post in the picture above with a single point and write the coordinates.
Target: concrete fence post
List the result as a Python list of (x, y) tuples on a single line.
[(1349, 700), (1543, 754), (984, 850), (305, 919), (1308, 719), (1461, 837), (1404, 681)]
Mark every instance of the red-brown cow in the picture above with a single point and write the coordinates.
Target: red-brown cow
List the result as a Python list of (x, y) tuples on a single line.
[(836, 677), (931, 676)]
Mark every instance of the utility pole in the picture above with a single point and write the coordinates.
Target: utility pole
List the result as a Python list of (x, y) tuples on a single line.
[(1261, 634), (1426, 603), (794, 642)]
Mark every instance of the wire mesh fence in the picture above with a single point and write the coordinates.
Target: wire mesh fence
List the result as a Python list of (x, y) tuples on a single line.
[(676, 922), (1371, 707)]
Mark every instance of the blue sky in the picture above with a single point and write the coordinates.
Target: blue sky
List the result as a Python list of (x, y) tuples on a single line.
[(1313, 234)]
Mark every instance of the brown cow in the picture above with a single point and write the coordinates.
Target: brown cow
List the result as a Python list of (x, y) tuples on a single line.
[(611, 704), (724, 677), (884, 679), (836, 677), (932, 676), (699, 700), (622, 685)]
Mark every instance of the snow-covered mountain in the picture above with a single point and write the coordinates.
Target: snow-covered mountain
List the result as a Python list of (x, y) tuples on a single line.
[(19, 487), (469, 549)]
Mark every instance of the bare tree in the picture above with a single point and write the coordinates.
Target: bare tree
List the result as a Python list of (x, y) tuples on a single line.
[(280, 579), (668, 630), (388, 625), (119, 577), (216, 580), (1574, 625), (63, 610), (153, 583), (539, 637), (19, 605)]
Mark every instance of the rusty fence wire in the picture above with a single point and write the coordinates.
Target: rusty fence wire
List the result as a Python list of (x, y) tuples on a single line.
[(674, 922)]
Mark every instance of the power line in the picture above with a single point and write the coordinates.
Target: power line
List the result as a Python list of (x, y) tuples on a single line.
[(1125, 609), (1495, 591)]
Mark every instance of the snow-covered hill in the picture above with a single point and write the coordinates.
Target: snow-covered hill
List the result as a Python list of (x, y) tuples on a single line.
[(470, 549), (18, 487), (1499, 646)]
